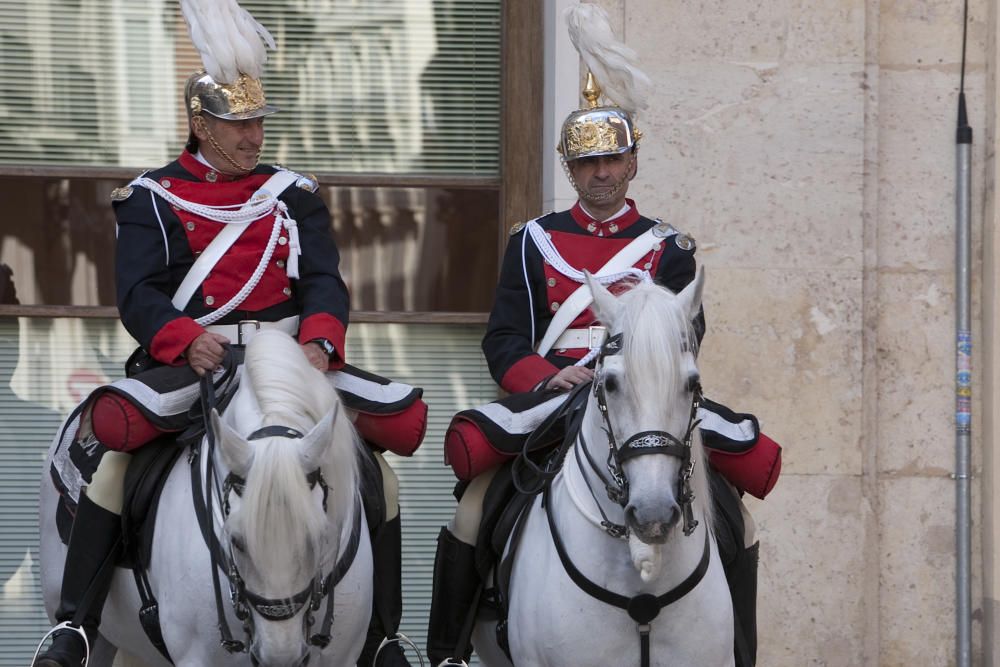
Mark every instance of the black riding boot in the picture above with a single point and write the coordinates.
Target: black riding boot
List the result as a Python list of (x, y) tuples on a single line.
[(387, 598), (95, 540), (456, 582), (742, 577)]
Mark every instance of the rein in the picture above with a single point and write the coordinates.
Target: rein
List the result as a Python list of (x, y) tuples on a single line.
[(642, 608), (242, 599)]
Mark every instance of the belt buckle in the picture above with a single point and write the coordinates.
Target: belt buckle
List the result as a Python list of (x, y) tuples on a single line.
[(242, 339), (597, 336)]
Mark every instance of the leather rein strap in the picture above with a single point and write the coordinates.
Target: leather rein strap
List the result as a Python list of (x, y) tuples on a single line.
[(642, 608)]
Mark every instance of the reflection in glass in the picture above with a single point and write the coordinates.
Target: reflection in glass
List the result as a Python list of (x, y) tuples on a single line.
[(394, 86), (402, 249)]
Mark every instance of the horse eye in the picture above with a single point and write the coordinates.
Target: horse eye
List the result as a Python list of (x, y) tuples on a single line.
[(611, 383), (693, 382), (237, 543)]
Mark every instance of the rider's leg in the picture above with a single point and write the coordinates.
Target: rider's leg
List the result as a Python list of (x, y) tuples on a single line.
[(90, 561), (739, 550), (387, 602), (742, 578), (455, 577)]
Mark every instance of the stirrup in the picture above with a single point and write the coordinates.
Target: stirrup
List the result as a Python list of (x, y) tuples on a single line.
[(65, 625), (398, 638)]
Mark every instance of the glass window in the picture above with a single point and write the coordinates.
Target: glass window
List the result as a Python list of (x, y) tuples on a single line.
[(395, 86)]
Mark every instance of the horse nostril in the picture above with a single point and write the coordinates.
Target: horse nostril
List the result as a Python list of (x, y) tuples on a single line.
[(631, 517)]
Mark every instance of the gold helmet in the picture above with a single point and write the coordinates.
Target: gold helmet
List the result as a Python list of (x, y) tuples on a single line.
[(239, 100), (602, 129), (597, 130)]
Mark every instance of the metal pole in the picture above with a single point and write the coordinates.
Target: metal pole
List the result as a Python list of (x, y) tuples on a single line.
[(963, 376)]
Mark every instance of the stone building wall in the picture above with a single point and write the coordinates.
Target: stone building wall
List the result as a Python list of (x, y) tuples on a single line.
[(810, 149)]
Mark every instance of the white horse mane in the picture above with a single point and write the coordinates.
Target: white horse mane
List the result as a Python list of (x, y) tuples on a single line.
[(278, 511), (655, 330)]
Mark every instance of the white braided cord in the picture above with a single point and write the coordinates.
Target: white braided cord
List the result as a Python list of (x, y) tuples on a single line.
[(226, 214), (552, 256), (241, 296), (229, 214)]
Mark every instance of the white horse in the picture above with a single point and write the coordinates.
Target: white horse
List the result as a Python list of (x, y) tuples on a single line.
[(287, 519), (647, 558)]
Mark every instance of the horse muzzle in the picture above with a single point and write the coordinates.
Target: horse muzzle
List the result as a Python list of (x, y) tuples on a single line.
[(652, 526), (278, 659)]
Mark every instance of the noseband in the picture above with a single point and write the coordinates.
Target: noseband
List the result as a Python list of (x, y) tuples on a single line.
[(640, 444)]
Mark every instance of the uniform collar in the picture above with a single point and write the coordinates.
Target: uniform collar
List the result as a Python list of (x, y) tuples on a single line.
[(623, 219), (200, 168)]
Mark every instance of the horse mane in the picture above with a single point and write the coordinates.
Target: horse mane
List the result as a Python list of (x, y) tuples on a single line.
[(656, 331), (278, 509)]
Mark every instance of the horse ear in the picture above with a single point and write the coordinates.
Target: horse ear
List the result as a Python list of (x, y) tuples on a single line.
[(317, 440), (606, 306), (236, 452), (690, 296)]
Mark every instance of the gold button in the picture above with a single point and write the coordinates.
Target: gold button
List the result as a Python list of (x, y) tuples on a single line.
[(165, 182), (282, 240), (287, 291), (280, 263), (190, 226), (552, 282), (613, 228), (209, 300), (555, 306), (211, 177), (647, 266)]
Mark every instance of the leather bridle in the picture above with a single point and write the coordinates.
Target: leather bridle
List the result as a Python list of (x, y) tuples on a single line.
[(643, 443)]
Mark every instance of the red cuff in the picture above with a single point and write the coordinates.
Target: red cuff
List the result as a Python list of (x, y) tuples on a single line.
[(170, 342), (324, 325), (527, 373)]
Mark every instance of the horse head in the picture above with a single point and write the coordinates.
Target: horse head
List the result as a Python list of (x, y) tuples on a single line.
[(644, 403), (290, 492)]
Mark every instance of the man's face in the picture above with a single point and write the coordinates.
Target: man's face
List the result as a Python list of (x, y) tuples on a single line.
[(596, 176), (242, 140)]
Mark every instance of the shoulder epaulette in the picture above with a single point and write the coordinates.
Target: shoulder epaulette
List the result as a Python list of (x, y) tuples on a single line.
[(121, 194), (518, 226), (308, 182), (665, 230), (685, 242)]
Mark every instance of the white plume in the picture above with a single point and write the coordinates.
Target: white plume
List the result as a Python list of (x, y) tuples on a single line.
[(614, 65), (229, 40)]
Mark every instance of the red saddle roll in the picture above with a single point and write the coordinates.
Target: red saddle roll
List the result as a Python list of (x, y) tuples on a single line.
[(120, 425), (468, 451), (400, 432)]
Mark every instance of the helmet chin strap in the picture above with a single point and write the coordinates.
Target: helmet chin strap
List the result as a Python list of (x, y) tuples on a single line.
[(595, 197), (240, 169)]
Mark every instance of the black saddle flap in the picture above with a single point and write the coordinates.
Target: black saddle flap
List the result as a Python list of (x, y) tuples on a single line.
[(144, 482)]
